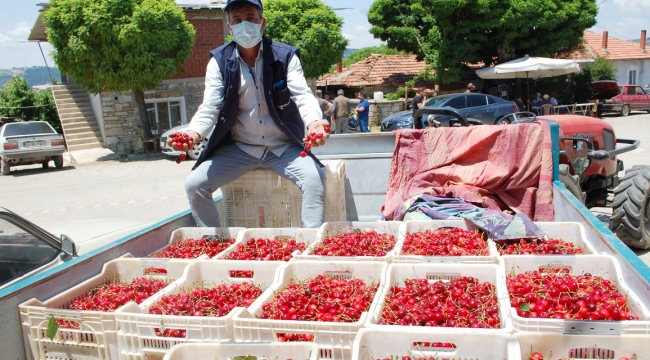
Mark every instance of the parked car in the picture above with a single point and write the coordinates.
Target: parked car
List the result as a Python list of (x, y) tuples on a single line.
[(487, 109), (620, 98), (29, 142), (192, 154)]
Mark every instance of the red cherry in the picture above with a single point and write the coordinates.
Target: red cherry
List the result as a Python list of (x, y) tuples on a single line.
[(536, 356), (303, 154), (327, 129), (307, 147)]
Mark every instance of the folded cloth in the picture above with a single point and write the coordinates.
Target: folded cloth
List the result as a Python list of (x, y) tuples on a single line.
[(496, 167), (501, 226), (433, 207)]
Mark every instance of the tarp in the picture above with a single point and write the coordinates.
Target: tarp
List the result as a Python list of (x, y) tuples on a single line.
[(501, 167), (529, 67)]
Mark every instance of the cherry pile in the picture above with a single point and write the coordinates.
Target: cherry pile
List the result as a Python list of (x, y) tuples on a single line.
[(216, 301), (312, 137), (355, 243), (178, 140), (555, 293), (445, 242), (460, 302), (321, 298), (540, 247), (279, 249), (294, 337), (192, 248)]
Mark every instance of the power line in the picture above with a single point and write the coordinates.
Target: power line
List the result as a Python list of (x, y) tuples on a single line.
[(22, 107), (601, 2)]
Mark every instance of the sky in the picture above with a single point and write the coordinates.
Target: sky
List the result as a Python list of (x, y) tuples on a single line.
[(624, 19)]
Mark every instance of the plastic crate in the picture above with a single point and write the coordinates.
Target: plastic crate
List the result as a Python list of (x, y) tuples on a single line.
[(96, 337), (225, 351), (334, 339), (409, 227), (572, 232), (604, 266), (582, 346), (248, 199), (394, 344), (397, 273), (184, 233), (136, 336), (337, 227)]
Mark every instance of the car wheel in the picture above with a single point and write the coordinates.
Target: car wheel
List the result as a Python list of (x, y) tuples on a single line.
[(46, 164), (58, 161), (625, 111), (197, 149), (5, 167), (503, 121)]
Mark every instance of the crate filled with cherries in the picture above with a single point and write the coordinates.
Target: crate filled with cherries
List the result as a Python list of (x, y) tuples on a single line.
[(197, 243)]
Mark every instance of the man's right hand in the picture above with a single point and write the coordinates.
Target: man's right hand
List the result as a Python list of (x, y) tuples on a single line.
[(195, 137)]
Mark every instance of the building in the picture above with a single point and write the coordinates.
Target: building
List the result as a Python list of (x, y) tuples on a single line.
[(111, 119)]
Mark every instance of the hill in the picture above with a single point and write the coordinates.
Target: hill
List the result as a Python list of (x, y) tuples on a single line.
[(35, 75)]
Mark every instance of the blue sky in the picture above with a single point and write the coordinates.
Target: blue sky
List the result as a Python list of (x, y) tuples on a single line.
[(624, 19)]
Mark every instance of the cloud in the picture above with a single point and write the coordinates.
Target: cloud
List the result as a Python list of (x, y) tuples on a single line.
[(361, 27), (361, 40), (633, 4), (20, 30), (4, 39)]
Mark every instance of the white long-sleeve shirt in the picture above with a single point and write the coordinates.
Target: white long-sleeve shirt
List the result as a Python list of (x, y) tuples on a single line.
[(254, 131)]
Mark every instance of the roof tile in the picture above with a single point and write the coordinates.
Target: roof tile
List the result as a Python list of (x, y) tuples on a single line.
[(375, 70), (616, 49)]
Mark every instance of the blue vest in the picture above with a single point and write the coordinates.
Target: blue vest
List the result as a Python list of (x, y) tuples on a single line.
[(284, 111)]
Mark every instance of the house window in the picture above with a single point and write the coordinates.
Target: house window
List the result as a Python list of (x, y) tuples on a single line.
[(165, 114), (632, 79)]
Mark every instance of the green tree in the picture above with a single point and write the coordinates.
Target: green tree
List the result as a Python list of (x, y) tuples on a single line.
[(111, 45), (46, 110), (312, 27), (365, 52), (602, 69), (450, 33), (18, 100)]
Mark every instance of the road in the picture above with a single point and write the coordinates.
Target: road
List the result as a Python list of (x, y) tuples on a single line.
[(137, 192)]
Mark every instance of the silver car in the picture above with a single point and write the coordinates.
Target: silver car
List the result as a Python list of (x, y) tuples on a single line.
[(192, 154), (30, 142)]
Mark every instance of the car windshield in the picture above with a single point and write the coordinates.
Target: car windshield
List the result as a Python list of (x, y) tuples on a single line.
[(27, 128), (436, 100), (21, 251)]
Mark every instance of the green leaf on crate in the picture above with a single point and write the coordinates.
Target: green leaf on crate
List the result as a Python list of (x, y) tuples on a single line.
[(525, 307), (52, 327)]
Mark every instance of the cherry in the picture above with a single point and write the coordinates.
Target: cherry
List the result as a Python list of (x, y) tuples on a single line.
[(326, 128), (445, 242), (536, 356), (180, 158), (355, 243), (267, 249), (303, 154), (192, 248), (540, 246)]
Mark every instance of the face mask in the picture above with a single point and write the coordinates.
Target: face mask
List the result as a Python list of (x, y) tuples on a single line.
[(247, 34)]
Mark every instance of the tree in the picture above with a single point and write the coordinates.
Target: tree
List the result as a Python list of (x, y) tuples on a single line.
[(365, 52), (18, 100), (312, 27), (110, 45), (448, 34), (602, 69)]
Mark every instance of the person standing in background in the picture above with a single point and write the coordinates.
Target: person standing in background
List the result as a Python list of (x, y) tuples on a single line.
[(363, 112), (325, 106), (418, 101), (520, 104), (341, 113)]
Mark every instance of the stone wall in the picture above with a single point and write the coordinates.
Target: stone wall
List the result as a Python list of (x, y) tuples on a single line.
[(379, 110)]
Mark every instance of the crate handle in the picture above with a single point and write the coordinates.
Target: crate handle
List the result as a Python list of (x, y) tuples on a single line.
[(154, 271), (284, 237), (241, 274), (432, 276), (341, 274), (591, 353), (557, 267), (433, 346), (218, 238)]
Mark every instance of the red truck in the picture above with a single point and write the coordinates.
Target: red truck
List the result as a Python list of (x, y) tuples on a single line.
[(623, 98)]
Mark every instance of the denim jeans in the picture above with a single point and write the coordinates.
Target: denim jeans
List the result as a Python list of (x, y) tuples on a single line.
[(229, 162), (363, 123)]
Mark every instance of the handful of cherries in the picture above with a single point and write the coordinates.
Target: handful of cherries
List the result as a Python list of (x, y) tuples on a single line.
[(312, 137), (178, 141)]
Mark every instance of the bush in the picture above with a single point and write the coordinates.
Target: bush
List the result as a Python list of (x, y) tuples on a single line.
[(398, 94), (18, 100)]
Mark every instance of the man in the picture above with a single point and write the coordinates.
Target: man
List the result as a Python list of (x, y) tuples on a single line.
[(418, 101), (520, 104), (363, 112), (552, 100), (341, 113), (470, 88), (258, 101), (325, 106), (536, 101)]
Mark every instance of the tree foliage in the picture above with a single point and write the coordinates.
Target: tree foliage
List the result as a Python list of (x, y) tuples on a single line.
[(450, 33), (312, 27), (602, 69), (18, 100), (119, 45), (365, 52)]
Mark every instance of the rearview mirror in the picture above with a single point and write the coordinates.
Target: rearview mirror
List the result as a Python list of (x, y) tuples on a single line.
[(68, 246)]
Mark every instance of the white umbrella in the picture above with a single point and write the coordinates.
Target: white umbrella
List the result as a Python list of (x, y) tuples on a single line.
[(527, 67)]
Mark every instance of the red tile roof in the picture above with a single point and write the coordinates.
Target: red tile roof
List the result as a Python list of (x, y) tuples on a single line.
[(616, 49), (375, 70)]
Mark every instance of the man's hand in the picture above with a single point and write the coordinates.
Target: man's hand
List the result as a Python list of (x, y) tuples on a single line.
[(195, 137), (317, 127)]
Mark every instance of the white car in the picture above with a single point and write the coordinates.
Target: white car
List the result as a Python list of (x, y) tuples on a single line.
[(192, 154), (29, 142)]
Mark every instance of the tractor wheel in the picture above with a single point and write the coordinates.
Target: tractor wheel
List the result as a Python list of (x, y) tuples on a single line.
[(631, 215), (571, 182), (625, 111), (5, 167)]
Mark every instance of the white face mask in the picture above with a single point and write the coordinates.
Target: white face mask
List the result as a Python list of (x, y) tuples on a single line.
[(247, 34)]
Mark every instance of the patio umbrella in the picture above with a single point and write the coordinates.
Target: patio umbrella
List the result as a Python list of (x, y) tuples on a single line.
[(527, 67)]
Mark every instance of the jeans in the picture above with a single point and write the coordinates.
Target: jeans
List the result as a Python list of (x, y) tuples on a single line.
[(229, 163), (363, 123)]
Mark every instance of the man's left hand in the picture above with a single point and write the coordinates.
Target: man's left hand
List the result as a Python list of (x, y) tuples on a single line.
[(318, 126)]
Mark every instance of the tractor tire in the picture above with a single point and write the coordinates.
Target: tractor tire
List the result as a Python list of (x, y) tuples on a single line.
[(631, 208), (625, 111), (571, 182), (6, 167), (58, 161)]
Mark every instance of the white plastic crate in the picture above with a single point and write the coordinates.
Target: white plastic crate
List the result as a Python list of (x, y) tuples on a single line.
[(226, 351), (248, 199), (334, 339), (394, 344), (184, 233), (136, 336), (563, 346), (572, 232), (409, 227), (604, 266), (337, 227), (96, 337), (396, 274)]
